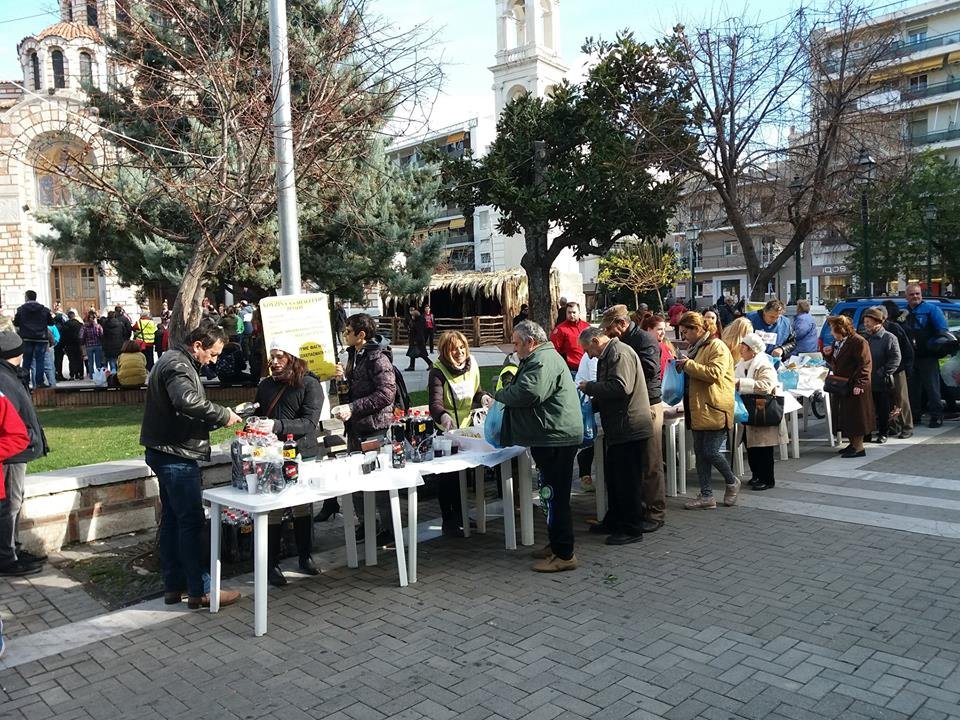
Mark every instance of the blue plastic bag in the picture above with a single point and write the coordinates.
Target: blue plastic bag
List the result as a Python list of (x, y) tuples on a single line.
[(493, 425), (789, 379), (672, 385), (589, 421), (740, 413)]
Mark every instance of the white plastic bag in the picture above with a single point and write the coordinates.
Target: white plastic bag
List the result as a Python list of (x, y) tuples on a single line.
[(100, 378), (950, 371)]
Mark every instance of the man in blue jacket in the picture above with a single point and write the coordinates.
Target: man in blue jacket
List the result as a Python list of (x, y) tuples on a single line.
[(775, 329), (924, 322)]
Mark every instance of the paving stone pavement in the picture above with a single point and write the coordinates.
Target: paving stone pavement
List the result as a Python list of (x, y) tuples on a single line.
[(731, 613)]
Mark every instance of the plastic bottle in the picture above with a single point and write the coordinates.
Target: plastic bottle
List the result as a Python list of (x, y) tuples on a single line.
[(291, 468), (246, 409)]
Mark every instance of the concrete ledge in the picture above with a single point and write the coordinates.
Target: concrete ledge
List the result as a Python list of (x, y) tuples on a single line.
[(92, 502)]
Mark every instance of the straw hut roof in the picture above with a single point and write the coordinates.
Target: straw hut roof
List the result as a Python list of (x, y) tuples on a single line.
[(483, 284)]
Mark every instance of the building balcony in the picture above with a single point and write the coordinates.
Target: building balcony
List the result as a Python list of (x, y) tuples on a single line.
[(937, 136), (902, 48), (940, 88)]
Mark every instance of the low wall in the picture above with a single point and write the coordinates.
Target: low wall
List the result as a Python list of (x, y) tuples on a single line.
[(90, 396), (92, 502)]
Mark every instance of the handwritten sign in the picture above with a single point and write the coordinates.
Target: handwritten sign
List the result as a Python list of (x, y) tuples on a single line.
[(304, 320)]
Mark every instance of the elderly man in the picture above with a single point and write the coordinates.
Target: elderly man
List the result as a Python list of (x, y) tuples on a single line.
[(924, 322), (566, 336), (620, 395), (616, 323), (177, 419), (774, 329), (543, 413)]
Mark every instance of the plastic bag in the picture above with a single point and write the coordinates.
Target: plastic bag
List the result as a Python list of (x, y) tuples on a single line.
[(493, 424), (589, 423), (99, 378), (950, 371), (790, 379), (740, 413), (672, 386)]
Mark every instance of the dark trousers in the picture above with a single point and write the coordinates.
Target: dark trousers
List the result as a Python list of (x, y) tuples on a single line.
[(585, 461), (448, 496), (14, 475), (58, 355), (148, 354), (761, 463), (623, 467), (75, 360), (418, 351), (882, 404), (181, 522), (924, 383), (34, 359), (555, 465), (429, 342)]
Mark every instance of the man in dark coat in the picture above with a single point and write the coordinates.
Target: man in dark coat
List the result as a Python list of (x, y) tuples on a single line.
[(418, 340), (32, 320), (902, 376), (115, 334), (73, 345), (13, 560)]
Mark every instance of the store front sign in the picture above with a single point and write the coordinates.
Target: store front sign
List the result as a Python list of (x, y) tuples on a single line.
[(834, 270)]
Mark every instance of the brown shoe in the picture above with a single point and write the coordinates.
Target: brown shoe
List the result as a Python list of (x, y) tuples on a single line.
[(173, 598), (730, 494), (227, 597), (542, 553), (701, 503), (554, 564)]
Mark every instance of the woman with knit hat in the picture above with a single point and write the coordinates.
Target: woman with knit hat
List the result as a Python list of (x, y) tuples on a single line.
[(290, 398), (756, 376)]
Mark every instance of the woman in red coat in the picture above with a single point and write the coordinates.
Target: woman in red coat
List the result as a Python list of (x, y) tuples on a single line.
[(849, 357)]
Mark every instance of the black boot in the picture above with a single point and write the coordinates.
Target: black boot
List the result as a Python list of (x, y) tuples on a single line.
[(303, 533), (330, 508), (274, 573)]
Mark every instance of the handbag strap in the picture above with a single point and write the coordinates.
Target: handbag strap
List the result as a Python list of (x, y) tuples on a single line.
[(276, 399)]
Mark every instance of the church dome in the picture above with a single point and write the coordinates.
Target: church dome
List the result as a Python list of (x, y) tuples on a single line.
[(70, 31)]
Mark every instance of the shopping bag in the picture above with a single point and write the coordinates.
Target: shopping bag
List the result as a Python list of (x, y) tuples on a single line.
[(950, 371), (589, 423), (739, 409), (99, 378), (493, 424), (672, 386), (763, 410)]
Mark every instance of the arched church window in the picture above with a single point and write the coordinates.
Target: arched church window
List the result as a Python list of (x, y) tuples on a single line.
[(35, 70), (515, 92), (59, 76), (55, 161), (92, 19), (520, 23), (86, 69), (546, 7)]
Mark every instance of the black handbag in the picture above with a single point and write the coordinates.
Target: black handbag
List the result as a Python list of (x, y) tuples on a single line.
[(836, 385), (763, 410)]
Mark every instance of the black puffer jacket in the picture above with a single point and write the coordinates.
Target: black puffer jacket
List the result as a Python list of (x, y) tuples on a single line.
[(177, 417), (296, 412), (113, 336), (32, 320), (11, 385), (647, 349), (372, 388)]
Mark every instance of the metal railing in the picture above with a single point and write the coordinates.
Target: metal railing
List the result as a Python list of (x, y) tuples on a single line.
[(902, 48), (932, 89), (935, 137)]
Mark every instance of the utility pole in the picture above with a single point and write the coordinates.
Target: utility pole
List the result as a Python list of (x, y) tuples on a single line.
[(283, 149)]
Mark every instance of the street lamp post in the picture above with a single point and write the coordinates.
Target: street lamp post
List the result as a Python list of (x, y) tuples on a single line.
[(692, 234), (929, 217), (866, 166), (796, 186)]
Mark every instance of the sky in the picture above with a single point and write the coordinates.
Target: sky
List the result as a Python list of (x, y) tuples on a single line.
[(465, 36)]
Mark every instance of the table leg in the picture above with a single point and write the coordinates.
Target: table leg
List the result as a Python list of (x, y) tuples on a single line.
[(479, 479), (599, 480), (464, 503), (260, 574), (670, 428), (795, 433), (370, 528), (524, 487), (807, 411), (509, 521), (826, 404), (682, 449), (398, 536), (412, 531), (214, 557), (783, 439), (736, 454), (349, 530)]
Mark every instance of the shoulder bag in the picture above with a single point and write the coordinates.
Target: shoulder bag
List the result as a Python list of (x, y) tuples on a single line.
[(763, 410), (837, 385)]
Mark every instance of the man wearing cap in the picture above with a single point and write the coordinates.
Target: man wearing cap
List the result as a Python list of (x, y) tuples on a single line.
[(32, 319), (177, 420), (616, 323), (13, 560)]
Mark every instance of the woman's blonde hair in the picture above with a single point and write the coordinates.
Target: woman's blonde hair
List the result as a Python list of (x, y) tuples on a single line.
[(734, 333), (448, 340), (840, 323)]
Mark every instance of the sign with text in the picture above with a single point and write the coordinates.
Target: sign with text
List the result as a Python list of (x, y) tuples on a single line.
[(303, 320)]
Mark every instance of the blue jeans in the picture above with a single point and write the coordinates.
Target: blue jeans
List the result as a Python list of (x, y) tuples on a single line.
[(94, 358), (48, 370), (706, 448), (181, 522), (34, 359)]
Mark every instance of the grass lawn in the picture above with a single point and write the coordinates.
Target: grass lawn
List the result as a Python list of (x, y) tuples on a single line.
[(86, 435)]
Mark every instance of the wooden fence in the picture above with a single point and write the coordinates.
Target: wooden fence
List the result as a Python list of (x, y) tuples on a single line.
[(94, 397), (478, 329)]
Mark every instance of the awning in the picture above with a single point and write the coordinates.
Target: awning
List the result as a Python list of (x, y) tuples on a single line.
[(953, 57), (914, 68), (456, 137), (436, 227), (458, 223)]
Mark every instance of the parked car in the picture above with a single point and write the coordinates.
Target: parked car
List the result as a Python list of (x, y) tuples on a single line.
[(854, 307)]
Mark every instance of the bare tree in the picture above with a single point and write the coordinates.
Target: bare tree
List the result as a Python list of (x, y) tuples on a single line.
[(785, 110), (186, 127)]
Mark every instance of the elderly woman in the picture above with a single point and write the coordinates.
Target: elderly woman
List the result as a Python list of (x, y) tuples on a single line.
[(849, 358), (453, 388), (756, 376), (708, 406), (290, 399), (885, 355)]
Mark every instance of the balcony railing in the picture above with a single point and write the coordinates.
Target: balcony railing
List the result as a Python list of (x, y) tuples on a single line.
[(932, 89), (935, 137), (902, 48)]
